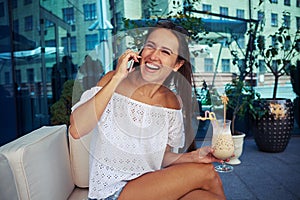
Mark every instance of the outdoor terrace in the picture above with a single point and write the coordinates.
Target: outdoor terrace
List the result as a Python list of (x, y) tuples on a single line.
[(265, 176)]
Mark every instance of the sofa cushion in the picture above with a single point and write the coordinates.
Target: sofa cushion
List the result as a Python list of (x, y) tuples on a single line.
[(79, 194), (79, 156), (40, 164), (8, 188)]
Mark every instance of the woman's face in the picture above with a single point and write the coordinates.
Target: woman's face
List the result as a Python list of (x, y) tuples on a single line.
[(159, 56)]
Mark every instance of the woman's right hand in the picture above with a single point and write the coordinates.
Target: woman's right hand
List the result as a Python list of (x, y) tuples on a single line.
[(122, 66), (205, 155)]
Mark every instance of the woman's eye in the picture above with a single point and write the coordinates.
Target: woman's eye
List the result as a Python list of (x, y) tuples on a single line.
[(166, 52), (149, 46)]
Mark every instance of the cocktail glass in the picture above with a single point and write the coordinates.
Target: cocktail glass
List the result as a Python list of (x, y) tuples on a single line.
[(222, 143)]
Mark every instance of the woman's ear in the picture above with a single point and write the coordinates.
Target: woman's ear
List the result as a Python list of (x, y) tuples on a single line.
[(178, 65)]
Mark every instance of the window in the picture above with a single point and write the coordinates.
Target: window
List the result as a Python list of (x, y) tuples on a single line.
[(28, 23), (73, 44), (298, 3), (274, 1), (225, 65), (274, 20), (287, 2), (64, 42), (260, 16), (30, 75), (287, 21), (241, 41), (16, 26), (2, 11), (261, 66), (26, 2), (273, 41), (240, 13), (208, 64), (91, 41), (206, 7), (68, 15), (298, 23), (223, 11), (89, 11)]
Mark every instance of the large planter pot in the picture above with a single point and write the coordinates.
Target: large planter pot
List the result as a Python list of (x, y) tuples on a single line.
[(272, 131), (238, 148), (297, 110)]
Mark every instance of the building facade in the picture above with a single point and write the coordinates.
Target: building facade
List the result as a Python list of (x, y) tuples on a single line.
[(44, 43)]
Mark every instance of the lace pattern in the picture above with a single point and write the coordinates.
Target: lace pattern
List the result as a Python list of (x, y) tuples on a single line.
[(130, 140)]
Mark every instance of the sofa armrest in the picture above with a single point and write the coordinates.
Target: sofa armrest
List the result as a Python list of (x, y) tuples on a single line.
[(8, 188), (79, 156), (40, 164)]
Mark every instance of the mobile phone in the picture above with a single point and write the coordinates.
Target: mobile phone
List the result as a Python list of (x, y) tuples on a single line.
[(131, 63)]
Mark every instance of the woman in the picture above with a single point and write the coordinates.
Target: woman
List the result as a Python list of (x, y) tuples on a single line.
[(138, 121)]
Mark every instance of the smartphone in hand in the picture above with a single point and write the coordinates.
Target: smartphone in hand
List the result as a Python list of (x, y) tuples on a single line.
[(131, 63)]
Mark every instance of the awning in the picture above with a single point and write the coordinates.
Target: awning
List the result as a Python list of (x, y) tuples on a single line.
[(31, 53), (210, 25)]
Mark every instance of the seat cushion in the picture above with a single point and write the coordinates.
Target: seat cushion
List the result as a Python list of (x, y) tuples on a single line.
[(79, 194), (40, 164)]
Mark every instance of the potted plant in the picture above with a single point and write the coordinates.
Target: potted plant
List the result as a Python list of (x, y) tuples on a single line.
[(61, 109), (240, 98), (272, 129)]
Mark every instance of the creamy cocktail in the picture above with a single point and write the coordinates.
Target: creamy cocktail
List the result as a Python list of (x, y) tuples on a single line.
[(222, 143)]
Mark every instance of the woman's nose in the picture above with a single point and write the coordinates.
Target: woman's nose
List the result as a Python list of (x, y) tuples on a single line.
[(155, 54)]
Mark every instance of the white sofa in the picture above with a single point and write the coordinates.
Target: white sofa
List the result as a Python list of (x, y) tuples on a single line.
[(45, 164)]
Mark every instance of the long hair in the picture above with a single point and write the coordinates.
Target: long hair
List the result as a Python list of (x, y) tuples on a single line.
[(182, 80)]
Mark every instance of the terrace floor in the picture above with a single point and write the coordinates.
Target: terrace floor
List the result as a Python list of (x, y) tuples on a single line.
[(264, 175)]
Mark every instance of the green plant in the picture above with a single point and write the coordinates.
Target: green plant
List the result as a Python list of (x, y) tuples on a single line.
[(61, 110), (281, 55), (241, 98)]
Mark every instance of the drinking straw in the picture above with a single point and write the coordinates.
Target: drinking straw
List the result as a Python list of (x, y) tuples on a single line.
[(225, 100)]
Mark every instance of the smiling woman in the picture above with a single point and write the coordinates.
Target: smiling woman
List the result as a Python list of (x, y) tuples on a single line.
[(138, 121)]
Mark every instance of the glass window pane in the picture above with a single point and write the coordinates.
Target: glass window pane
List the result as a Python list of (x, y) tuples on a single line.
[(208, 64), (225, 65), (91, 41), (240, 13), (28, 23), (274, 20)]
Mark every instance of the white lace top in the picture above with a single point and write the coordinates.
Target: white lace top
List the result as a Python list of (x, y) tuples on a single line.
[(129, 141)]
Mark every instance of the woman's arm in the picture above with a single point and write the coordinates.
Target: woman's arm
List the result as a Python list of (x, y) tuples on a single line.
[(201, 155), (84, 118)]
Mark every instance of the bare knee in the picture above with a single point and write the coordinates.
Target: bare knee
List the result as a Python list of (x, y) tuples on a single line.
[(210, 178)]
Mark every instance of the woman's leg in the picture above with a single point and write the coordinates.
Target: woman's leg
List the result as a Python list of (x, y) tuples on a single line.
[(182, 181)]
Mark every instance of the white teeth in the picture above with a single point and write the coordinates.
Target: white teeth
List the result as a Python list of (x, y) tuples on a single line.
[(152, 66)]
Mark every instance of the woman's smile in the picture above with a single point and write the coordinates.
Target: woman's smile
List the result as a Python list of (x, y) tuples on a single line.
[(152, 66)]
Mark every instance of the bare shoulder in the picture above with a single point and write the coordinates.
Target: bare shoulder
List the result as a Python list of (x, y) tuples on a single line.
[(171, 100), (106, 78)]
